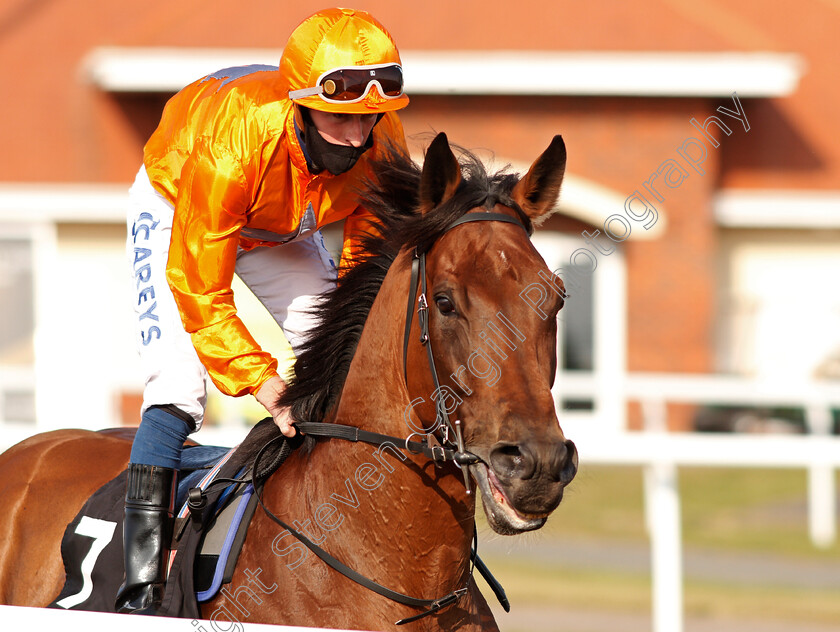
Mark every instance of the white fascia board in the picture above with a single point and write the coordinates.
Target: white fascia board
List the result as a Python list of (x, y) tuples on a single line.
[(48, 202), (649, 74), (768, 208), (494, 72), (117, 69)]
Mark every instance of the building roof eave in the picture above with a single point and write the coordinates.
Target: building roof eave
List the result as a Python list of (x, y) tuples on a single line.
[(493, 72), (777, 209)]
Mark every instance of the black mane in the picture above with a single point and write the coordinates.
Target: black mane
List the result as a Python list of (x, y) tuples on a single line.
[(324, 360)]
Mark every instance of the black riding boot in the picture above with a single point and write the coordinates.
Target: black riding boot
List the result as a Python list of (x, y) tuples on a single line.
[(147, 533)]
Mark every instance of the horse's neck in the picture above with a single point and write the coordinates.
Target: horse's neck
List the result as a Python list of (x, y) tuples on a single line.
[(423, 503), (374, 393), (399, 519)]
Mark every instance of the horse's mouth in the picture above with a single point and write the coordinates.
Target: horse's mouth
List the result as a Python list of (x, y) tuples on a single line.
[(501, 514)]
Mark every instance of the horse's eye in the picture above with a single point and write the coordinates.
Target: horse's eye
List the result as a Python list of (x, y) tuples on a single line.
[(444, 305)]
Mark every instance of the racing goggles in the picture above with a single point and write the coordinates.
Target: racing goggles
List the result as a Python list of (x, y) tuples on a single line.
[(351, 85)]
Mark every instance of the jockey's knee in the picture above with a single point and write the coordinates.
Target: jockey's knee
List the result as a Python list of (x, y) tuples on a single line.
[(161, 436)]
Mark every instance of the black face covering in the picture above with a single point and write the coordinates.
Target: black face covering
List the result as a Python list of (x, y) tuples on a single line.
[(322, 155), (336, 159)]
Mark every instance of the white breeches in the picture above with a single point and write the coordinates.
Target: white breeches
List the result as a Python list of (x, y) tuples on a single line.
[(286, 279)]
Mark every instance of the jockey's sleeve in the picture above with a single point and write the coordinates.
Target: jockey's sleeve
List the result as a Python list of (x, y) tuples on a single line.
[(209, 212)]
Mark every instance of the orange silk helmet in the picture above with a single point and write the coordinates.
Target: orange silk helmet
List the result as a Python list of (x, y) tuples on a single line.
[(343, 60)]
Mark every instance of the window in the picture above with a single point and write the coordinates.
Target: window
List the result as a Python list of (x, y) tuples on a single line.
[(577, 319), (17, 327), (591, 336)]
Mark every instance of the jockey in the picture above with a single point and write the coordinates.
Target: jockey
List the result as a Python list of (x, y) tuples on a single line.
[(245, 167)]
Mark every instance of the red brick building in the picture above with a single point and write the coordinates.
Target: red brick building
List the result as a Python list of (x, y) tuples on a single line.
[(734, 275)]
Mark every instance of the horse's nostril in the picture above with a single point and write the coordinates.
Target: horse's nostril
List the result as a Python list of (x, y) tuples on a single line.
[(551, 460), (557, 455), (510, 460), (510, 451), (570, 464)]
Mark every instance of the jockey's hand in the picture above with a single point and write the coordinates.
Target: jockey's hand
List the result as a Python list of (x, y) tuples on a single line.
[(267, 395)]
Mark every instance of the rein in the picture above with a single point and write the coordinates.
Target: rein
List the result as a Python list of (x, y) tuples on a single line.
[(446, 451)]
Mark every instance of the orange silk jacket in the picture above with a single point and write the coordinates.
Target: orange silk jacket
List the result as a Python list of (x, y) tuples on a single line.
[(226, 155)]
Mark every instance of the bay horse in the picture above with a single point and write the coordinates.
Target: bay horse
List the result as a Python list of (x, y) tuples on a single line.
[(456, 239)]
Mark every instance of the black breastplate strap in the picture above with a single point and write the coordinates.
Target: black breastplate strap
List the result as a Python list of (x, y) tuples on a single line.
[(351, 433), (430, 606)]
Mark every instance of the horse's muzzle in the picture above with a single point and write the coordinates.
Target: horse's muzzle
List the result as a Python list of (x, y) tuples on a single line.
[(555, 461)]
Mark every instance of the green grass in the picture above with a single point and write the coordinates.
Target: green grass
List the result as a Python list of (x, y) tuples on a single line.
[(747, 510), (601, 502), (729, 508), (529, 584)]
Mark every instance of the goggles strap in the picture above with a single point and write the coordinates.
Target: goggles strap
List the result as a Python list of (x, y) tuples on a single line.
[(305, 92)]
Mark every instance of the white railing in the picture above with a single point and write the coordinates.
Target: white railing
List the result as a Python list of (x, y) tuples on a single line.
[(600, 439), (660, 454)]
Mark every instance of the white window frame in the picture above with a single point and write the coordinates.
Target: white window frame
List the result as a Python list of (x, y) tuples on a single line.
[(605, 383)]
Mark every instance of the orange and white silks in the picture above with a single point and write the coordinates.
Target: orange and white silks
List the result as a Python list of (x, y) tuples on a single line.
[(227, 157)]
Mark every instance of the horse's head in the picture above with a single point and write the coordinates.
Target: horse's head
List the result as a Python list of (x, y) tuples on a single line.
[(495, 355)]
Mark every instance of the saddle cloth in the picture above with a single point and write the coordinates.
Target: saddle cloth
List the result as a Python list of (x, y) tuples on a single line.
[(208, 545)]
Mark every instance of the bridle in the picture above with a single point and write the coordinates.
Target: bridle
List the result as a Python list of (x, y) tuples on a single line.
[(449, 447), (461, 457)]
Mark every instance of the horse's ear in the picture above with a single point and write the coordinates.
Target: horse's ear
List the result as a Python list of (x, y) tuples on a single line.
[(536, 193), (441, 174)]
